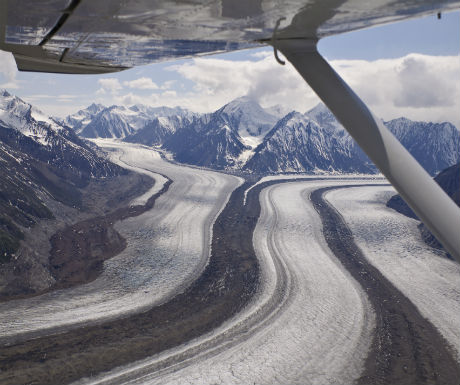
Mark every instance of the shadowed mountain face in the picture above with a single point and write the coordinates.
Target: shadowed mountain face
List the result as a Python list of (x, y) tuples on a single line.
[(244, 136), (298, 143), (449, 180), (218, 140), (435, 145)]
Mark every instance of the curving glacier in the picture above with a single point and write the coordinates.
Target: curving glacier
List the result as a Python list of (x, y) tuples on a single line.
[(167, 249)]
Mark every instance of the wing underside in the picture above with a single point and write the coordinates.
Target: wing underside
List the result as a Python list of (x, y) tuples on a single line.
[(96, 36)]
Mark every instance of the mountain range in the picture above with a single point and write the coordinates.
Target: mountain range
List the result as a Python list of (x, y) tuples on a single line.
[(246, 137)]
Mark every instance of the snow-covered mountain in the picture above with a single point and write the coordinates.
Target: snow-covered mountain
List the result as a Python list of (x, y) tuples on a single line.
[(317, 140), (298, 143), (30, 131), (325, 119), (82, 118), (435, 145), (207, 141), (97, 121), (159, 130), (245, 117), (111, 122), (223, 139), (26, 119)]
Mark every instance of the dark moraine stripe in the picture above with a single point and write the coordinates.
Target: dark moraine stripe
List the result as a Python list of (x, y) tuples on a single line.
[(407, 348), (226, 285)]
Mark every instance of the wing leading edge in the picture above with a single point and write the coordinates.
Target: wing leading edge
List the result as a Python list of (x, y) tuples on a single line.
[(99, 36)]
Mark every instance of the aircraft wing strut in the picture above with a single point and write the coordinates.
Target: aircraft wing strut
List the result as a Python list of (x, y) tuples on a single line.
[(432, 205)]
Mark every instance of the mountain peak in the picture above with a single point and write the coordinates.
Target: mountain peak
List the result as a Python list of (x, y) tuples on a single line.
[(95, 108), (320, 112), (243, 103), (324, 118), (248, 119), (4, 92), (278, 110)]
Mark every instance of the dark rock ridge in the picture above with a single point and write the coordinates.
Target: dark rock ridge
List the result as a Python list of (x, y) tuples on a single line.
[(449, 180), (406, 347), (298, 143), (435, 145), (207, 141)]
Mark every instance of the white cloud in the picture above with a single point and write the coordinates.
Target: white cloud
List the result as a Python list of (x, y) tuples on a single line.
[(8, 70), (424, 85), (169, 94), (168, 84), (261, 54), (419, 87), (111, 85), (218, 81), (141, 83)]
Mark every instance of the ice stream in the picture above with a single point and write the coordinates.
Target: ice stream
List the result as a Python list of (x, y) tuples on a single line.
[(309, 324), (392, 243), (167, 249)]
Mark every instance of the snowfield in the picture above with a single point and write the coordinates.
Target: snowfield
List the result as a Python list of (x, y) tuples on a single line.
[(392, 243), (167, 249), (309, 323)]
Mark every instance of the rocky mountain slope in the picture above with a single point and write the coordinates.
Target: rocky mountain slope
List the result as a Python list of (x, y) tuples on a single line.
[(435, 145), (46, 173), (38, 158), (299, 144), (159, 130), (449, 180), (222, 139)]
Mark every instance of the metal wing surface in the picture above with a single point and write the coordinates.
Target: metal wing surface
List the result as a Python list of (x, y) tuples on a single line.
[(97, 36)]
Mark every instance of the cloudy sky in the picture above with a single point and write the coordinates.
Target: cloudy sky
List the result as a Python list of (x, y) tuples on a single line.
[(407, 69)]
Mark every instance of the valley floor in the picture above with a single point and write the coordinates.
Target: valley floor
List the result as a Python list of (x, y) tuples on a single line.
[(227, 282)]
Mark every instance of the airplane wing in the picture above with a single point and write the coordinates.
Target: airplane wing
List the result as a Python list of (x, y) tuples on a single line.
[(99, 36)]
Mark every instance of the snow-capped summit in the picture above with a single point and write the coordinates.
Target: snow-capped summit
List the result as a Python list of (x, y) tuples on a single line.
[(248, 119), (83, 117), (325, 118), (95, 108), (28, 120)]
